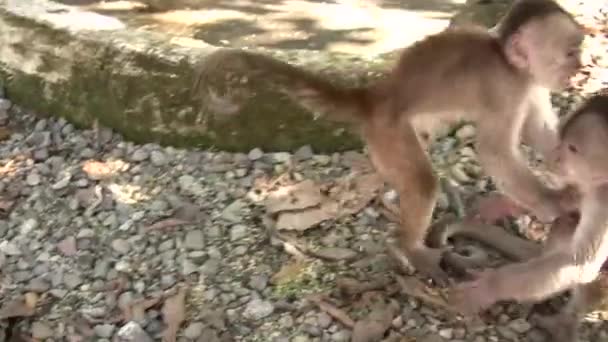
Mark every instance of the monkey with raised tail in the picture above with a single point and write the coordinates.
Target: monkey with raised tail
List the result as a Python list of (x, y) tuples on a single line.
[(500, 80)]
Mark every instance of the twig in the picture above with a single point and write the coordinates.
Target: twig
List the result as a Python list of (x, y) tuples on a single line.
[(335, 312)]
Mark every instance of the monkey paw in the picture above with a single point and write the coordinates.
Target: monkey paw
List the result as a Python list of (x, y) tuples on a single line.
[(561, 327), (427, 261), (494, 207), (472, 297)]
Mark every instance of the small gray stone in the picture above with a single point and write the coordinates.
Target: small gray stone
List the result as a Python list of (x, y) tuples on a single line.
[(324, 320), (303, 153), (104, 330), (132, 332), (281, 157), (41, 154), (41, 331), (33, 179), (257, 309), (87, 153), (194, 330), (188, 267), (158, 158), (341, 336), (28, 226), (255, 154), (123, 266), (10, 248), (139, 155), (121, 246), (72, 280), (233, 211), (520, 325), (301, 338), (258, 282), (195, 240), (210, 267), (238, 232), (86, 233), (38, 285)]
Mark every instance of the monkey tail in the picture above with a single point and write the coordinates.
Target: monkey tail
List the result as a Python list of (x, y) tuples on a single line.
[(238, 68)]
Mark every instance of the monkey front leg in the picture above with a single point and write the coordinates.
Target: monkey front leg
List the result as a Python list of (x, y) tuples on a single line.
[(540, 129), (557, 270), (500, 156)]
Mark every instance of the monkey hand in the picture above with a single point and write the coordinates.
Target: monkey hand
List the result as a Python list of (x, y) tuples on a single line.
[(496, 206), (470, 298)]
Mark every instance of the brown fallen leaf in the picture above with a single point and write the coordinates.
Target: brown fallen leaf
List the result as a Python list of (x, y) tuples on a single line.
[(174, 313), (335, 312), (24, 306), (413, 287), (352, 287), (166, 224), (96, 170), (5, 133), (289, 272), (305, 219), (373, 327), (298, 196), (67, 246)]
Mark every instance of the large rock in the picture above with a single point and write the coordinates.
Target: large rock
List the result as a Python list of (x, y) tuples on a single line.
[(84, 66)]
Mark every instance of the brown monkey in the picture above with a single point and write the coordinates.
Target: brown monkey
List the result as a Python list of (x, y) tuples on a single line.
[(500, 81), (577, 261)]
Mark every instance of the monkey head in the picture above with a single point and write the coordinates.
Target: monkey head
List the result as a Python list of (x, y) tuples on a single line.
[(542, 41), (582, 154)]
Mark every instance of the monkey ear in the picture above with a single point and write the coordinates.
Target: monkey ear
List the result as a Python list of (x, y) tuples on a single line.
[(516, 52)]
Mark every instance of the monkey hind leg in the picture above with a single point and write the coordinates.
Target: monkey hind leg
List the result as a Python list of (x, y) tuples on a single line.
[(400, 158)]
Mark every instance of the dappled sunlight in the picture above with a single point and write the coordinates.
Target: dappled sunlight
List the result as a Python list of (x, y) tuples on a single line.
[(368, 27)]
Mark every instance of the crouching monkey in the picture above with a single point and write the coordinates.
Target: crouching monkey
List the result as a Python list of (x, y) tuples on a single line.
[(572, 259)]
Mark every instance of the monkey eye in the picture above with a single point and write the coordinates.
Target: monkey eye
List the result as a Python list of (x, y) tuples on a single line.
[(572, 148)]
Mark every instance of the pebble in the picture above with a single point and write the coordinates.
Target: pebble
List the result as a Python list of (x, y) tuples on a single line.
[(257, 309), (9, 248), (121, 246), (72, 280), (41, 331), (104, 330), (33, 179), (132, 332), (28, 226), (140, 155), (303, 153), (238, 232), (194, 240), (255, 154), (194, 330), (158, 158)]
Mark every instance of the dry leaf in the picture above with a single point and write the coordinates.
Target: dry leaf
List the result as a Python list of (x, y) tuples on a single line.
[(413, 287), (373, 327), (96, 170), (335, 312), (303, 206), (23, 307), (174, 313), (5, 133), (167, 223), (306, 219), (298, 196), (288, 272)]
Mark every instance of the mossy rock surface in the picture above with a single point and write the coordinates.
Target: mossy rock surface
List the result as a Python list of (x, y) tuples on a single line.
[(84, 66)]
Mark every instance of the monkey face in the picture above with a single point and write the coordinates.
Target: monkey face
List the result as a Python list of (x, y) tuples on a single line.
[(552, 49), (583, 157)]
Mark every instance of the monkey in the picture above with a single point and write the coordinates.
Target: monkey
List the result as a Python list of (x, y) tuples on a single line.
[(575, 262), (501, 81)]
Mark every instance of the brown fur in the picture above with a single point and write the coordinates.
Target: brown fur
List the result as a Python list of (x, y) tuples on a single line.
[(577, 248), (459, 74)]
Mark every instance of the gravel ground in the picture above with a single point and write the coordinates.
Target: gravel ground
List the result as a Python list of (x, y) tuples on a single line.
[(104, 240)]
